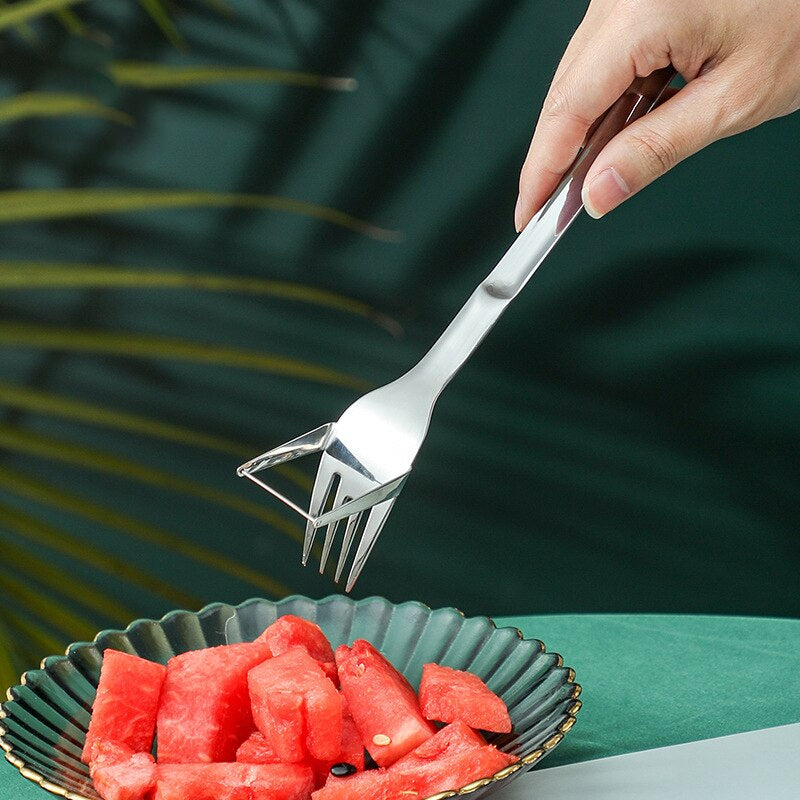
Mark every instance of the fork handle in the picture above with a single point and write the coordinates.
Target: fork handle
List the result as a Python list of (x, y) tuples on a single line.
[(531, 247)]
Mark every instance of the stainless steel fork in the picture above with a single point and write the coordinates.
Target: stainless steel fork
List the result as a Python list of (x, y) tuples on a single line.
[(368, 454)]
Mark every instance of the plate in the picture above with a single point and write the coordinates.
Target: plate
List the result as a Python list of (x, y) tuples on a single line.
[(44, 721)]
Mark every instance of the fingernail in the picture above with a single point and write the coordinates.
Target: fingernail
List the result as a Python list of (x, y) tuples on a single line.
[(604, 193), (518, 214)]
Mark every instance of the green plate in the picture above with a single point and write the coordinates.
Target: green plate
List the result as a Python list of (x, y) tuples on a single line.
[(45, 719)]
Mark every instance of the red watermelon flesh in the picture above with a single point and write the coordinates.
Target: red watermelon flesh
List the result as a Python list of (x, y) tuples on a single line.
[(256, 750), (454, 757), (352, 753), (450, 740), (382, 702), (205, 708), (374, 784), (125, 706), (296, 706), (234, 781), (448, 695), (290, 631), (329, 668), (454, 771), (118, 773), (283, 724)]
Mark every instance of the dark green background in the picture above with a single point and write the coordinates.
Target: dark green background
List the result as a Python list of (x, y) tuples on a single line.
[(627, 439)]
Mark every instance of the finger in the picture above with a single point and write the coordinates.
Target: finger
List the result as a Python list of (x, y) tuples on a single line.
[(587, 29), (582, 93), (686, 122)]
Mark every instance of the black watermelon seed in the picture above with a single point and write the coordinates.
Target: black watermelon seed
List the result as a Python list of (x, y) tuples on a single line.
[(369, 762), (342, 770)]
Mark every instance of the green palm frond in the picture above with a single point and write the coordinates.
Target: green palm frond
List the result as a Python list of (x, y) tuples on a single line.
[(42, 570), (54, 275), (9, 674), (133, 345), (23, 205), (57, 104), (15, 396), (40, 602), (71, 21), (27, 486), (26, 10), (41, 639), (43, 534), (52, 449), (157, 10), (24, 29), (144, 75)]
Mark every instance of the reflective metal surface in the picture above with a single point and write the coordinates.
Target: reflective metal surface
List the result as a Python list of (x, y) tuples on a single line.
[(368, 454)]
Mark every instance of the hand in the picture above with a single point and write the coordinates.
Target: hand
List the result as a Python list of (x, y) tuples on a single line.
[(741, 63)]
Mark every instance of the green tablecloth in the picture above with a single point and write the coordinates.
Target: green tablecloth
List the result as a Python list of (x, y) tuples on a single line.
[(650, 681)]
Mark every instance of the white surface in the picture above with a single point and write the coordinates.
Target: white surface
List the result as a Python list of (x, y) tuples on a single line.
[(761, 765)]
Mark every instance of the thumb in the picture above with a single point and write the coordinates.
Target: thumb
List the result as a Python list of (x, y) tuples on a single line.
[(688, 121)]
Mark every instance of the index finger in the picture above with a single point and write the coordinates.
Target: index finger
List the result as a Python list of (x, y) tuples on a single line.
[(594, 79)]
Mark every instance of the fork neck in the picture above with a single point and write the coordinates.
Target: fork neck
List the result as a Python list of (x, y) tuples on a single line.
[(530, 248)]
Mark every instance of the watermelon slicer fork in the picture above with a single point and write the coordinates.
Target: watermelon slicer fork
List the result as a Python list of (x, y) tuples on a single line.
[(368, 454)]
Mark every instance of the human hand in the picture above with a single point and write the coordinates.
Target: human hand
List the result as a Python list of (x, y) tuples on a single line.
[(741, 63)]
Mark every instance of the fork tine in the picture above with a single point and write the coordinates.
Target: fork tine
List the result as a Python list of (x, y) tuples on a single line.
[(377, 517), (319, 494), (330, 531), (347, 541)]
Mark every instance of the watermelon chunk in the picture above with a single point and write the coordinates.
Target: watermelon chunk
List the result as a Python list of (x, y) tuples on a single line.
[(296, 707), (205, 708), (449, 695), (374, 784), (352, 752), (256, 750), (125, 706), (234, 781), (119, 773), (457, 770), (290, 631), (454, 757), (382, 702), (450, 740)]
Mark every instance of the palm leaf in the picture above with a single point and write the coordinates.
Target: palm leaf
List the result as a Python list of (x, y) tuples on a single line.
[(52, 449), (49, 275), (146, 75), (16, 396), (27, 10), (52, 404), (41, 570), (132, 345), (56, 104), (71, 21), (38, 601), (44, 534), (43, 641), (24, 29), (23, 485), (160, 15), (9, 674), (22, 205)]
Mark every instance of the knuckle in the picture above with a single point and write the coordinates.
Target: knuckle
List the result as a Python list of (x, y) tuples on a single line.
[(655, 150), (556, 104)]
